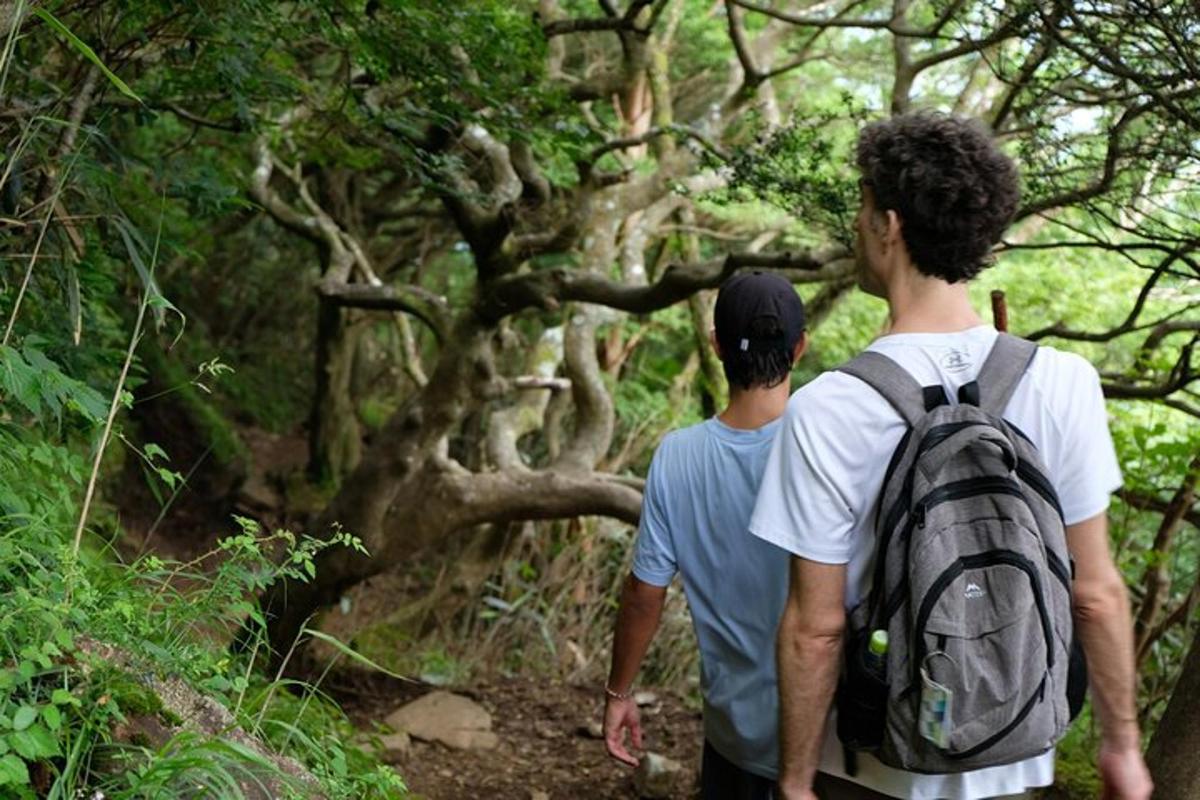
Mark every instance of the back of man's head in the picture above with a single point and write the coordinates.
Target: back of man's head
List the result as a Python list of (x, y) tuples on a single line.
[(953, 189), (758, 322)]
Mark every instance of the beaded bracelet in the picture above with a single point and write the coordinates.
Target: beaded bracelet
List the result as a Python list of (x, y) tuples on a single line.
[(617, 695)]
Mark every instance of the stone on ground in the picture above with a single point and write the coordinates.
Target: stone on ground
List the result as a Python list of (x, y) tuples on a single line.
[(546, 730), (451, 719), (396, 745), (656, 776), (592, 729)]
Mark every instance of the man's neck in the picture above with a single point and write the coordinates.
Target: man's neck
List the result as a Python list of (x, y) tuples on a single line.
[(921, 304), (749, 409)]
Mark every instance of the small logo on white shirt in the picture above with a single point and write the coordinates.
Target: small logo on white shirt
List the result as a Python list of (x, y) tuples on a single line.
[(973, 591), (956, 361)]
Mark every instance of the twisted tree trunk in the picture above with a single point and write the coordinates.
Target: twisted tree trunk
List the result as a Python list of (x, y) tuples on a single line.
[(407, 494), (334, 437)]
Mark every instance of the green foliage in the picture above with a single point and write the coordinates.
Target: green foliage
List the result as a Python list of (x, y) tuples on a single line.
[(311, 726), (1075, 767), (425, 44), (63, 698), (89, 637), (38, 385), (656, 402), (806, 168)]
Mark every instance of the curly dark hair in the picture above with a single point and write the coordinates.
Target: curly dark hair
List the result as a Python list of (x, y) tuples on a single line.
[(953, 188), (759, 367)]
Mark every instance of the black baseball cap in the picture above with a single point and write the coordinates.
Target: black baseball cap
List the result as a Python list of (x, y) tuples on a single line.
[(745, 305)]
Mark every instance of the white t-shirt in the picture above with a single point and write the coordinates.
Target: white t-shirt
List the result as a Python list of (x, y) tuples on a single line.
[(826, 470)]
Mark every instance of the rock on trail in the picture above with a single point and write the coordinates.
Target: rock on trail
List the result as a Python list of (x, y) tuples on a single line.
[(451, 719)]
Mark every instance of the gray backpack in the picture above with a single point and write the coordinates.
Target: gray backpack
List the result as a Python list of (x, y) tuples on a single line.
[(972, 583)]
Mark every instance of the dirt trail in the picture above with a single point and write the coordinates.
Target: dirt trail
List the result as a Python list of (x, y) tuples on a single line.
[(543, 746), (544, 751)]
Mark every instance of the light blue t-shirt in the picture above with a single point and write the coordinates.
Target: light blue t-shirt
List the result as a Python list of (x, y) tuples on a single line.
[(695, 520)]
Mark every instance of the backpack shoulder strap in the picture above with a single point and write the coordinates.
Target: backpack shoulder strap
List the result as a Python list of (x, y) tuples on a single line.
[(891, 380), (1002, 371)]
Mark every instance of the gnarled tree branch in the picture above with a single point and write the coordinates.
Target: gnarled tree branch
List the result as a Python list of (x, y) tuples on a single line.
[(522, 494), (549, 288), (423, 304)]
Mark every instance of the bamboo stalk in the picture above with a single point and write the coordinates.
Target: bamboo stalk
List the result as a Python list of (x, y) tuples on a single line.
[(116, 398), (112, 414)]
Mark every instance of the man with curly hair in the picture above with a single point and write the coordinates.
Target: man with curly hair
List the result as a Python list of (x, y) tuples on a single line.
[(937, 193)]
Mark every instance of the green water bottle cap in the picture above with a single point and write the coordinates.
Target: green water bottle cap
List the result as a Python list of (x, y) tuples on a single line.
[(879, 642)]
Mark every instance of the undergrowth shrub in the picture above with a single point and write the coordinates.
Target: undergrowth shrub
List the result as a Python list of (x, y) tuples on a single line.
[(66, 709), (86, 637)]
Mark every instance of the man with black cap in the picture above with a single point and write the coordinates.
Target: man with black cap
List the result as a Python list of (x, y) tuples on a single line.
[(695, 514)]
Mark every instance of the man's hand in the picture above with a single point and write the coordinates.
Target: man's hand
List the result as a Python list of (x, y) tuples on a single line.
[(1124, 773), (619, 715), (637, 619)]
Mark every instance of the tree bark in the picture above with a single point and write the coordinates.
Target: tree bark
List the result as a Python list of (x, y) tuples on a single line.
[(1172, 756), (335, 440), (1157, 578)]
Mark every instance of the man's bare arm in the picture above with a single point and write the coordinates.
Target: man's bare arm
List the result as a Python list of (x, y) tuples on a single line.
[(1105, 627), (809, 648), (637, 622)]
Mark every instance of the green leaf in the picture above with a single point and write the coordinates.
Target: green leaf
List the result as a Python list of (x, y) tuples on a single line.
[(86, 52), (13, 770), (25, 716), (153, 451), (53, 717), (131, 240), (169, 477), (19, 380), (34, 743)]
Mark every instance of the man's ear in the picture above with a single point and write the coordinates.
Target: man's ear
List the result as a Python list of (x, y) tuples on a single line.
[(712, 337), (892, 235), (801, 347)]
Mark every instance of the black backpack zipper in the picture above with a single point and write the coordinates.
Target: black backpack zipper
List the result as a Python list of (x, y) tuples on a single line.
[(957, 490), (1037, 481)]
